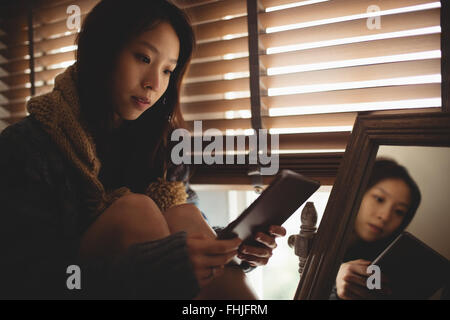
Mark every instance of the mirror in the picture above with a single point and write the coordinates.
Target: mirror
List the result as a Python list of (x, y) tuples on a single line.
[(386, 203), (418, 142), (430, 168)]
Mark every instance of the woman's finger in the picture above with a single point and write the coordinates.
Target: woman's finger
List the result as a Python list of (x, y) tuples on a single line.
[(356, 279), (360, 269), (255, 251), (266, 240), (277, 231), (361, 262), (253, 260)]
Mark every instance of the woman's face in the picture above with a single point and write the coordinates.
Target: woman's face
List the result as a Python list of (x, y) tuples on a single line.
[(383, 209), (143, 71)]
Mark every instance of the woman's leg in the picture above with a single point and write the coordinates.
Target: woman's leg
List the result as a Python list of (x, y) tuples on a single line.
[(187, 217), (232, 283), (135, 218), (132, 219)]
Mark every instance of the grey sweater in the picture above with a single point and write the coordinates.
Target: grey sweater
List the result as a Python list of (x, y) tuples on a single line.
[(41, 223)]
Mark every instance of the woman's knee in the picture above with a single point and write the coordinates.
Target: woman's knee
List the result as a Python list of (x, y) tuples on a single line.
[(187, 217), (131, 219), (139, 216), (134, 202)]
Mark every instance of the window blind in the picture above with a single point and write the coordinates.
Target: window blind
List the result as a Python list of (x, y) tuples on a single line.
[(321, 63), (53, 51), (325, 61)]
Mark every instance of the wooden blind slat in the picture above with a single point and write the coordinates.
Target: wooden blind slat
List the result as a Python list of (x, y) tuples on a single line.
[(216, 10), (274, 3), (360, 50), (221, 125), (22, 93), (219, 29), (214, 87), (314, 120), (16, 93), (18, 66), (217, 67), (21, 79), (330, 9), (15, 107), (216, 106), (360, 73), (302, 141), (45, 4), (354, 28), (53, 44), (365, 95), (307, 121), (45, 61), (15, 80), (191, 3), (221, 48), (14, 52)]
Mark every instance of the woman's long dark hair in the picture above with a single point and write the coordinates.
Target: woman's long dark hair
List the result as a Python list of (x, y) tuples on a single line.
[(107, 29), (383, 169)]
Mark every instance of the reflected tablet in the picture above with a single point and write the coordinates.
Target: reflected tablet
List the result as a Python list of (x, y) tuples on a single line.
[(287, 192), (415, 270)]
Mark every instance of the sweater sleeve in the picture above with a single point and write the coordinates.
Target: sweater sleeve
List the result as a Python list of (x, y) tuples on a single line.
[(151, 270), (37, 249)]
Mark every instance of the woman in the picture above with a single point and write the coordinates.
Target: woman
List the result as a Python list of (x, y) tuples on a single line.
[(388, 206), (87, 181)]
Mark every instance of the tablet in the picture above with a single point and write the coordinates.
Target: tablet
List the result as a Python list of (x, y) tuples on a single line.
[(287, 192), (414, 270)]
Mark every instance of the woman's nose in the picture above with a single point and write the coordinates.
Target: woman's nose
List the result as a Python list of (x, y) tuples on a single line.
[(152, 82), (384, 214)]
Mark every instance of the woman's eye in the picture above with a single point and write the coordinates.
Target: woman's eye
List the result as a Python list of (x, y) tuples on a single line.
[(168, 72), (400, 213), (378, 199), (143, 58)]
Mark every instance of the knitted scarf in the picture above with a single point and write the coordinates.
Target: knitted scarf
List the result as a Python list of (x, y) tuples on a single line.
[(59, 113)]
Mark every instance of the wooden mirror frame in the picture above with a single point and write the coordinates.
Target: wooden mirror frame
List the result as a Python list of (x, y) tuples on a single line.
[(369, 132)]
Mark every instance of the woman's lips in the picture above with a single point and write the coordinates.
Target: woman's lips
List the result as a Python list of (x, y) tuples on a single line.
[(141, 103), (375, 228)]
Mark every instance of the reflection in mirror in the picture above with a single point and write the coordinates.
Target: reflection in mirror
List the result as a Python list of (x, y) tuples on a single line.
[(407, 191)]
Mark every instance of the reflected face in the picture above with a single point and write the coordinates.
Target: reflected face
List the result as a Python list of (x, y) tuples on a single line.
[(143, 71), (383, 209)]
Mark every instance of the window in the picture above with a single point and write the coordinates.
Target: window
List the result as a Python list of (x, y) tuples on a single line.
[(320, 63)]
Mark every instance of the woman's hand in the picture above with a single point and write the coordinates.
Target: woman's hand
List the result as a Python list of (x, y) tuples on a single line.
[(259, 255), (351, 282), (209, 256)]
